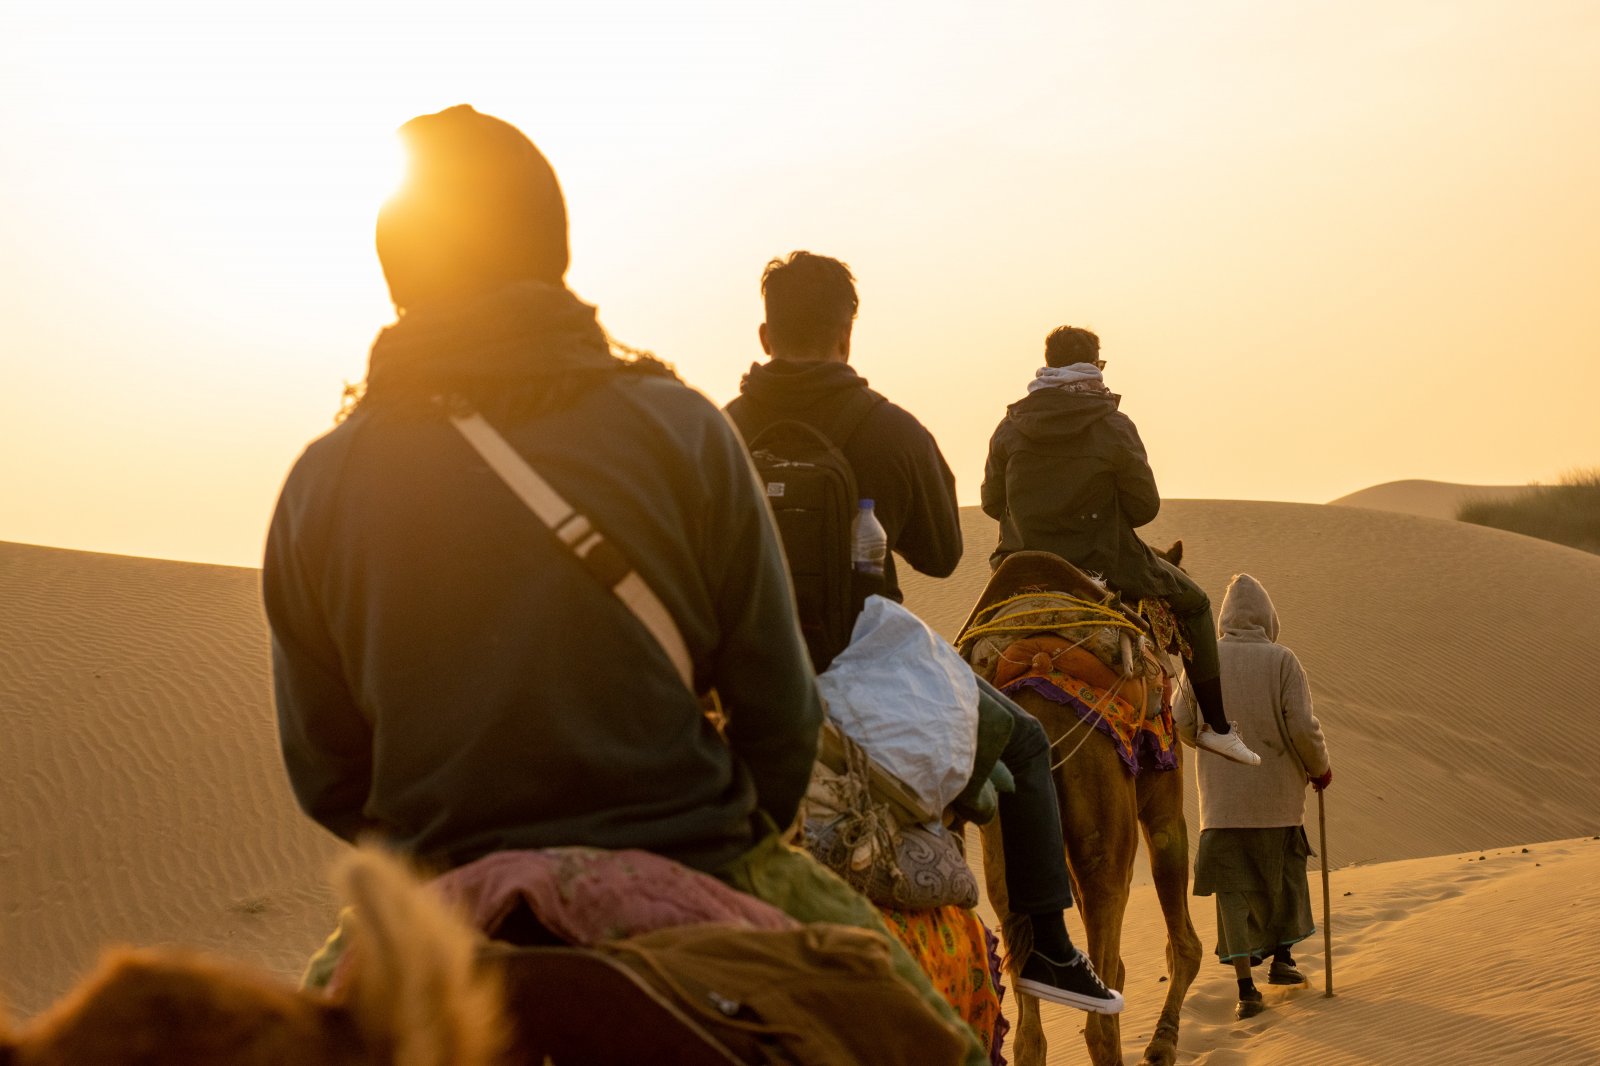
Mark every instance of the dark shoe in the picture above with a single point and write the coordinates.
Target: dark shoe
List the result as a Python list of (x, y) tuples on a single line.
[(1250, 1004), (1285, 973), (1072, 983)]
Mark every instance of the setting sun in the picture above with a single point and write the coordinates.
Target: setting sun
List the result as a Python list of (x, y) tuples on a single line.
[(1248, 205)]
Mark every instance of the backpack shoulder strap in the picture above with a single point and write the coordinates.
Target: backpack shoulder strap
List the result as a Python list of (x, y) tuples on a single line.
[(851, 416), (574, 530)]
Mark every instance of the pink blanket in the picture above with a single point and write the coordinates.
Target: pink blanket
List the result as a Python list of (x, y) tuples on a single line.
[(587, 895)]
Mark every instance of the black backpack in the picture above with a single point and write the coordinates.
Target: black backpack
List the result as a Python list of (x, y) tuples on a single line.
[(812, 491)]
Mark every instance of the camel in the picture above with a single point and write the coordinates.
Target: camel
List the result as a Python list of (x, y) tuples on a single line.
[(418, 998), (1102, 807)]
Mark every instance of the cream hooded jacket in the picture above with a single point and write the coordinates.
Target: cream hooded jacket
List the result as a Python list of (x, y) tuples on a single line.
[(1267, 695)]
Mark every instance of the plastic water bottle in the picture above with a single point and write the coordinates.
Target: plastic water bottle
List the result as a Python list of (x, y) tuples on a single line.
[(869, 543)]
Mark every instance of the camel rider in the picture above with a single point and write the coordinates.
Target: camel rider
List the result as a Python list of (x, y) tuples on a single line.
[(456, 677), (1067, 474), (811, 307)]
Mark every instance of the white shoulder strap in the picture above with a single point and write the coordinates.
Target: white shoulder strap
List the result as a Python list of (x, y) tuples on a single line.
[(574, 530)]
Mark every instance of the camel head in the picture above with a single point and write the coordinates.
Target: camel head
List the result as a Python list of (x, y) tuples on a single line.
[(416, 998), (1174, 554)]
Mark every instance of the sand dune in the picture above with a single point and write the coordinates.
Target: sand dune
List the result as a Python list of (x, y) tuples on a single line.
[(1423, 950), (143, 797), (1450, 960), (144, 800), (1429, 499)]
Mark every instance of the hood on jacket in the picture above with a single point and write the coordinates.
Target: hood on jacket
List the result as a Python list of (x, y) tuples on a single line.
[(794, 385), (1247, 610), (521, 331), (1047, 415)]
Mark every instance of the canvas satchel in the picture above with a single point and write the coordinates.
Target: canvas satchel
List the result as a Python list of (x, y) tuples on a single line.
[(819, 994)]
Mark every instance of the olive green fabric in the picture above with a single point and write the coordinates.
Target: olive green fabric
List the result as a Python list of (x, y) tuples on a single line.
[(800, 886), (790, 880), (1259, 879)]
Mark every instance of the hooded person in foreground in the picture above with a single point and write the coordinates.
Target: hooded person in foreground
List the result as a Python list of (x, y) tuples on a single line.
[(1253, 845), (450, 676)]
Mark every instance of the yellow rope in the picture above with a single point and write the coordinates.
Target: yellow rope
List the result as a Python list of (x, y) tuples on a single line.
[(1103, 617)]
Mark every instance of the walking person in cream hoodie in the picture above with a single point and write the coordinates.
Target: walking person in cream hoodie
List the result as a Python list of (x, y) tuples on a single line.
[(1253, 845)]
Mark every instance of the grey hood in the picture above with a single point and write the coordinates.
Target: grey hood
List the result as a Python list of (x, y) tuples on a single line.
[(1247, 611)]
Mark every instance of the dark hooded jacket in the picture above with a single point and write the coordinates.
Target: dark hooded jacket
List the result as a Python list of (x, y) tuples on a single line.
[(896, 462), (449, 676), (1067, 473)]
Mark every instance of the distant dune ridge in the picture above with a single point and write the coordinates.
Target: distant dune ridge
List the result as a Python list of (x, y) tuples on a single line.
[(1430, 499), (143, 799)]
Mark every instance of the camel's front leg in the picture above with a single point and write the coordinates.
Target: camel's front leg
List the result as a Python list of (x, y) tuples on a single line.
[(1167, 838), (1101, 843)]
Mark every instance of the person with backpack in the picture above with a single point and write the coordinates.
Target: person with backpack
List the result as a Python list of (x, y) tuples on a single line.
[(461, 668), (811, 305), (1067, 473), (806, 409)]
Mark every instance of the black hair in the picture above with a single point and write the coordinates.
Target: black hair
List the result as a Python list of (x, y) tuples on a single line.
[(810, 299)]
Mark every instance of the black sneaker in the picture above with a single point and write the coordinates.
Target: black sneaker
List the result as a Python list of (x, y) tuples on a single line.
[(1072, 983), (1250, 1004)]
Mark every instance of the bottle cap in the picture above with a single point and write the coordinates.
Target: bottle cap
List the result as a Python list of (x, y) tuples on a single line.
[(866, 501)]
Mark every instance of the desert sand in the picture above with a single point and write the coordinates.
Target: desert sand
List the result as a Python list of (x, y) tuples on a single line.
[(1430, 499), (1452, 666), (144, 800)]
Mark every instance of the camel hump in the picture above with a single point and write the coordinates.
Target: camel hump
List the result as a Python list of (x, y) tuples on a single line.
[(1034, 571)]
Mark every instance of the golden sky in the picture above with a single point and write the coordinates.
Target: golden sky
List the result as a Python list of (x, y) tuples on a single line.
[(1325, 245)]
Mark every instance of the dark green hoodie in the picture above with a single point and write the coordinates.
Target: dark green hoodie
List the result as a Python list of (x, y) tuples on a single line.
[(1067, 473), (451, 678)]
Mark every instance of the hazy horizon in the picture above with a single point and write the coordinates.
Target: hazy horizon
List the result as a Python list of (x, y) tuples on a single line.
[(1326, 246)]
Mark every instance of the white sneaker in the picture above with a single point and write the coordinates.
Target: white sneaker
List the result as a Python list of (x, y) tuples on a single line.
[(1229, 745)]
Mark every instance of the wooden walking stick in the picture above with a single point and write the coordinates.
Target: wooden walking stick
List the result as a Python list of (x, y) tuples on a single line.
[(1327, 930)]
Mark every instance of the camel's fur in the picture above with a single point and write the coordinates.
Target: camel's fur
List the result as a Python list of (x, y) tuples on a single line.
[(1101, 806), (417, 999)]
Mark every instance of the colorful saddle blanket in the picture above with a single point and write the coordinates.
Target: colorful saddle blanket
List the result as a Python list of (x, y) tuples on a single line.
[(961, 959), (1086, 656), (1117, 707)]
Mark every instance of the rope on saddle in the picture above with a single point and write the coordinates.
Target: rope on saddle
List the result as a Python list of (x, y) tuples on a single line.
[(1110, 694), (1081, 723), (1045, 619), (1064, 613), (1052, 656), (865, 832)]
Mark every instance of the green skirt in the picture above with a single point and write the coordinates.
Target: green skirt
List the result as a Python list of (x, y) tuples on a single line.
[(1259, 879)]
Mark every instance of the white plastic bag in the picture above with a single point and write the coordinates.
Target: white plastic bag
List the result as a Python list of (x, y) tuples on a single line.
[(907, 697)]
